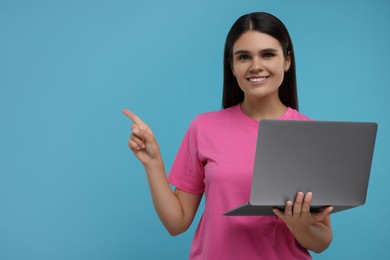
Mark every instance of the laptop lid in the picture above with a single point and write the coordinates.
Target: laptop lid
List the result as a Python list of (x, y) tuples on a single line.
[(330, 159)]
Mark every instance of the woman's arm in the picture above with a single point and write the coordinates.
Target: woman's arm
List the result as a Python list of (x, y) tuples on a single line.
[(177, 209), (313, 231)]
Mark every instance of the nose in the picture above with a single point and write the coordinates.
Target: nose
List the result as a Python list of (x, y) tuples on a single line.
[(256, 66)]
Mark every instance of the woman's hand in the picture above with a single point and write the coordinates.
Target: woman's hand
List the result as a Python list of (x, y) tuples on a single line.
[(142, 142), (298, 215), (176, 210), (311, 229)]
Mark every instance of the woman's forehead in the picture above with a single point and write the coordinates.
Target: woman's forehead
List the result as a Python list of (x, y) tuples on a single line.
[(254, 40)]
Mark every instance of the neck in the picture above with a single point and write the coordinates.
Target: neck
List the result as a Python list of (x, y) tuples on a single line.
[(264, 108)]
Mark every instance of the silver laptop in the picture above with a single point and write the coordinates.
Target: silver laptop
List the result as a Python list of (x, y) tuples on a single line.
[(330, 159)]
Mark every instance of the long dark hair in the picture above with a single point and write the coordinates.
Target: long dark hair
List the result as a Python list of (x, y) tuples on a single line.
[(268, 24)]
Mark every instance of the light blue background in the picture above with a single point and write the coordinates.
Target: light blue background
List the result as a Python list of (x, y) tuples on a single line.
[(69, 186)]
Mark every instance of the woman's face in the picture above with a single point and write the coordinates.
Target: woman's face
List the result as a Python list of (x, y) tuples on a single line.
[(259, 65)]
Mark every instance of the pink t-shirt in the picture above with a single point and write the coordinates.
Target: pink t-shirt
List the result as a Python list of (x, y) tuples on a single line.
[(216, 158)]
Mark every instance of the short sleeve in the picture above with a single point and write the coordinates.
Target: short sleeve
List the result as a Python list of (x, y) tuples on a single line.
[(187, 171)]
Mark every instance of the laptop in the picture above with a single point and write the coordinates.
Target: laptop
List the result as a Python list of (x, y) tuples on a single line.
[(330, 159)]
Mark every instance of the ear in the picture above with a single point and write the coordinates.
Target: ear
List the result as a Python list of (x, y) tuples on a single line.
[(287, 62), (231, 67)]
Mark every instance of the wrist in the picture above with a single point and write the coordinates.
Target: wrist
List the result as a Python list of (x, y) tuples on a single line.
[(153, 164)]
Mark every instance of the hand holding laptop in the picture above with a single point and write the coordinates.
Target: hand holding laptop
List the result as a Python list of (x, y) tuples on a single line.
[(307, 226), (299, 213)]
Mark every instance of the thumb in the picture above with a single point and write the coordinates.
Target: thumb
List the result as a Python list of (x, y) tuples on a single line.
[(143, 134), (277, 212)]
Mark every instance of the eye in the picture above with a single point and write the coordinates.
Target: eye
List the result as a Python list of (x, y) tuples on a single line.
[(268, 54), (243, 57)]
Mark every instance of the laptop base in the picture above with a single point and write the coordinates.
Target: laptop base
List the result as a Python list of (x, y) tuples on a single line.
[(252, 210)]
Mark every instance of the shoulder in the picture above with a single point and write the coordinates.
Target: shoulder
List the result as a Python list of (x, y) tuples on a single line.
[(293, 114), (217, 117), (214, 121)]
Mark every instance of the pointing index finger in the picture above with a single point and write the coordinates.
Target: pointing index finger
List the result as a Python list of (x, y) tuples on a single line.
[(133, 117)]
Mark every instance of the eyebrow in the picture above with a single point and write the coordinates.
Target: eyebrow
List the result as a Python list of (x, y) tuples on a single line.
[(262, 51)]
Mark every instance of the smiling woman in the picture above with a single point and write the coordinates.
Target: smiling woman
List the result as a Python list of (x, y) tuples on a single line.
[(275, 41), (259, 65), (259, 84), (70, 188)]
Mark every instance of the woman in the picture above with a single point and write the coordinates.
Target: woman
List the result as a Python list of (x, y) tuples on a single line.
[(216, 156)]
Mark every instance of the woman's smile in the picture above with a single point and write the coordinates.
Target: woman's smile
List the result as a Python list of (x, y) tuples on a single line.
[(258, 79)]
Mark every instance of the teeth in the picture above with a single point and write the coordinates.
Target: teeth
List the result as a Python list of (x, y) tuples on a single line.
[(257, 79)]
